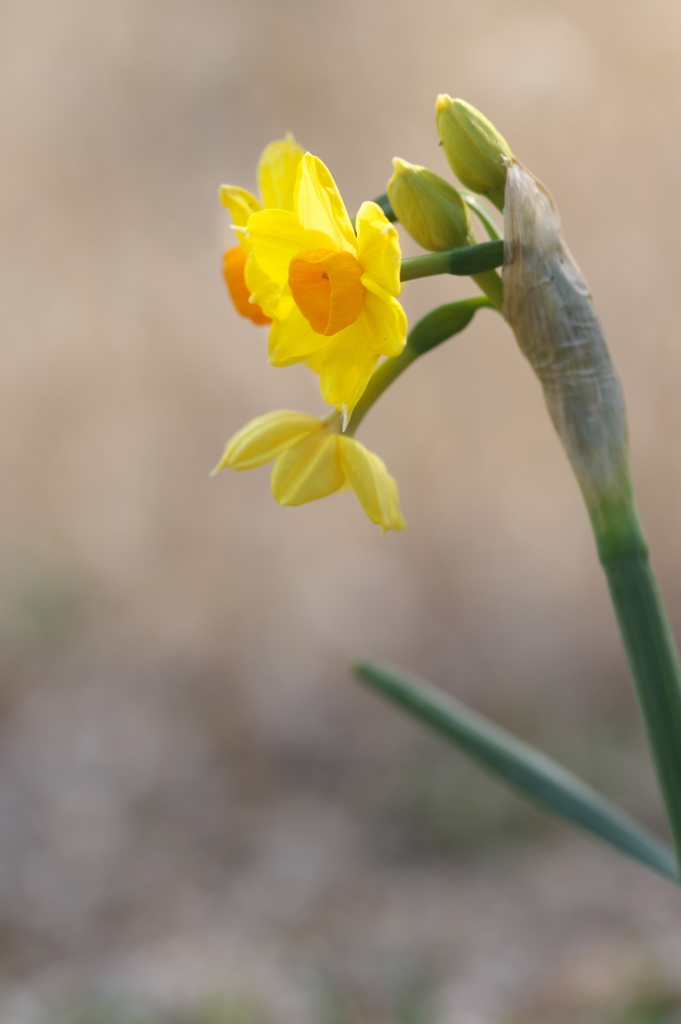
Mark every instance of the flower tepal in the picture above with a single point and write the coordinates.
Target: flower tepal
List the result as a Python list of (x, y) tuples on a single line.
[(277, 171), (330, 292), (312, 460)]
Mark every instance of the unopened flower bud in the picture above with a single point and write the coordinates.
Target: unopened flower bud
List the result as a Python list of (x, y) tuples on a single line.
[(428, 207), (475, 150)]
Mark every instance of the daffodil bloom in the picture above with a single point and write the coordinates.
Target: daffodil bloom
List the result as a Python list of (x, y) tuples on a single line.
[(277, 170), (329, 291), (313, 459)]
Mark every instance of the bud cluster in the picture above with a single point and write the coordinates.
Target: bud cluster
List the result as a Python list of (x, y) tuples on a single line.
[(432, 210)]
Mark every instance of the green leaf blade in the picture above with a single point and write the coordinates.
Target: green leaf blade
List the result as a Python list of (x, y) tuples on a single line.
[(520, 765)]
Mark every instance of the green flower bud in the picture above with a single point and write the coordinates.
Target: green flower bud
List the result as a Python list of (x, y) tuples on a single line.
[(475, 150), (428, 207)]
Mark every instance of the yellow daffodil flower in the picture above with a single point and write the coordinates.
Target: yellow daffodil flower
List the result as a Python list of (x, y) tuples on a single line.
[(277, 170), (329, 291), (313, 459)]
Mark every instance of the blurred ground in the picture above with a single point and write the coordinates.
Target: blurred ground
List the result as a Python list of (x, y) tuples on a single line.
[(196, 801)]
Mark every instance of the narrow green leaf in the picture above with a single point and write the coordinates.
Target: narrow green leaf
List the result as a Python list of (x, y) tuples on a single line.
[(520, 765)]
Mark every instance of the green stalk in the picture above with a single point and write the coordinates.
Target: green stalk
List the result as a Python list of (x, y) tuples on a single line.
[(490, 283), (486, 218), (548, 305), (438, 326), (381, 378), (464, 262), (487, 280), (650, 648)]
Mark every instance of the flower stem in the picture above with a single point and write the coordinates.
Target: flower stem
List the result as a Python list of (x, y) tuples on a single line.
[(474, 259), (548, 305), (486, 218), (381, 378), (651, 652), (438, 326), (491, 284)]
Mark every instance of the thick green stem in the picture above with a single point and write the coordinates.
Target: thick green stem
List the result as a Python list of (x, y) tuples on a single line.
[(548, 305), (652, 655), (647, 637)]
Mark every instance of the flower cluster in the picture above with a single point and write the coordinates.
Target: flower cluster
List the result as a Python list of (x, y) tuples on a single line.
[(327, 289)]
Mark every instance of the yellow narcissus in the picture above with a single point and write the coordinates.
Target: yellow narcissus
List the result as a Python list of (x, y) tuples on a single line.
[(277, 170), (329, 291), (313, 459)]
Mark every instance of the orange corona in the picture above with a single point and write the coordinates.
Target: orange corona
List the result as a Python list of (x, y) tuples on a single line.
[(233, 264), (327, 289)]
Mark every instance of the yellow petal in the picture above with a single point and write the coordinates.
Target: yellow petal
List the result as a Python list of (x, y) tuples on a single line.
[(265, 292), (380, 329), (291, 338), (383, 321), (346, 369), (314, 361), (319, 205), (240, 203), (379, 247), (310, 470), (277, 170), (375, 488), (276, 236), (266, 437)]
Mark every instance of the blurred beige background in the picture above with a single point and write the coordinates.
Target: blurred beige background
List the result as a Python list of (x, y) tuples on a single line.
[(196, 800)]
